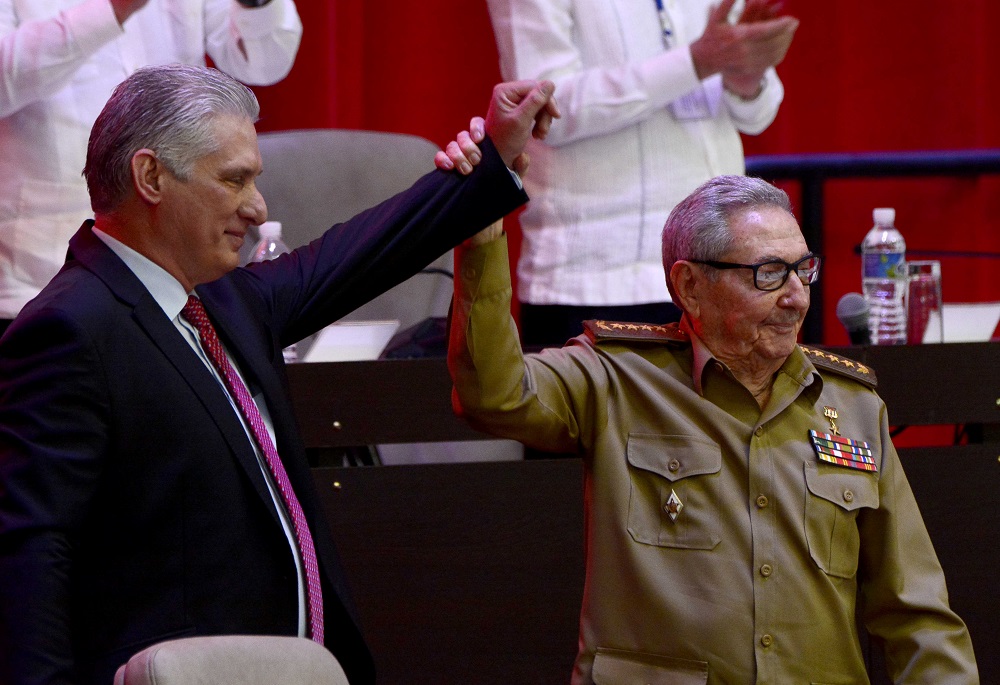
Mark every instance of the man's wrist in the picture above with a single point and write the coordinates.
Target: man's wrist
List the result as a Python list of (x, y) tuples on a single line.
[(489, 234), (747, 94)]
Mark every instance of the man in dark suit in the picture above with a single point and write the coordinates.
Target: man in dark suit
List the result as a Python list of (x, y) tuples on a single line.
[(152, 480)]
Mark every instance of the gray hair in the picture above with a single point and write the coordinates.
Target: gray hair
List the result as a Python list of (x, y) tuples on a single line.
[(167, 109), (698, 227)]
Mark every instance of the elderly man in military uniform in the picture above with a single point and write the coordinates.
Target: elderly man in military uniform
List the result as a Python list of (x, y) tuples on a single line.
[(743, 496)]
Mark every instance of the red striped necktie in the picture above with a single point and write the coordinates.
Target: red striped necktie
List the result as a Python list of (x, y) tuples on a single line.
[(194, 312)]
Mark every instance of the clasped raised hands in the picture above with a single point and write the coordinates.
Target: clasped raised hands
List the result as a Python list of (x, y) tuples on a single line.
[(519, 110)]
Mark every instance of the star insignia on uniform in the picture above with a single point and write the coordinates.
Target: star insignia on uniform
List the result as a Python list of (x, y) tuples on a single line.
[(673, 506), (832, 362)]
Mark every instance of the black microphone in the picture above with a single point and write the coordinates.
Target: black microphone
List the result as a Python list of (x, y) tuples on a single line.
[(852, 310)]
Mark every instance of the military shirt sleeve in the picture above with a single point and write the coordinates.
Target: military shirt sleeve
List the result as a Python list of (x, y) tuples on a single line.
[(903, 595), (540, 399)]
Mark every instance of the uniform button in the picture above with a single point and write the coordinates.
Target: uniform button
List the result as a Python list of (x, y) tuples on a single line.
[(848, 496), (759, 432), (766, 570), (766, 640), (761, 501), (673, 465)]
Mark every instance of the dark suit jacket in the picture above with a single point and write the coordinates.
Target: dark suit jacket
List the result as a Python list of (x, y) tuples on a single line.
[(132, 507)]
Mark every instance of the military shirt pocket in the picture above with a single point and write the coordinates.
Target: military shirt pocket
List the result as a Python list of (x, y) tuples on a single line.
[(617, 666), (834, 497), (688, 467)]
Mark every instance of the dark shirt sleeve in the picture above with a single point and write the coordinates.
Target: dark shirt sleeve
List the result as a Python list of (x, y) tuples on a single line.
[(357, 260)]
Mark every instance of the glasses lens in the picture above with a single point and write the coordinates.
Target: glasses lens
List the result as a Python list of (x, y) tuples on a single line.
[(771, 275), (808, 270)]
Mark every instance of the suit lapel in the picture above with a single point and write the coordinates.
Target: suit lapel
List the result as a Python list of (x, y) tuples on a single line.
[(93, 254)]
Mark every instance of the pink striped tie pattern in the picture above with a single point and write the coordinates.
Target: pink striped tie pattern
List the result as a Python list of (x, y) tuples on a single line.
[(194, 312)]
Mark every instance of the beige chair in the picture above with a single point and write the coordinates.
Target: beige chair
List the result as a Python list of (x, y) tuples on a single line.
[(233, 660), (315, 178)]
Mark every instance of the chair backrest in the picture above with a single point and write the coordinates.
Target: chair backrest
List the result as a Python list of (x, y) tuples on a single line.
[(315, 178), (233, 660)]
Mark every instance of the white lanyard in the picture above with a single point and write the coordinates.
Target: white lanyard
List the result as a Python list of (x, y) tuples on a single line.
[(694, 105)]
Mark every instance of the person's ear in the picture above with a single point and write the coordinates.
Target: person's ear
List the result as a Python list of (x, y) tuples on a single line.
[(687, 280), (148, 176)]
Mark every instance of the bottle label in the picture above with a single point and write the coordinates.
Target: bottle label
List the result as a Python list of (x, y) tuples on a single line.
[(885, 265)]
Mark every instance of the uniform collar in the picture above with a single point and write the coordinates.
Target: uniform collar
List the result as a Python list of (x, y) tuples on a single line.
[(797, 367), (701, 355)]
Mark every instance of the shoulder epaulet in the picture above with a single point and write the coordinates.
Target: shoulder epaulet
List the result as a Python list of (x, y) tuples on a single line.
[(842, 365), (599, 331)]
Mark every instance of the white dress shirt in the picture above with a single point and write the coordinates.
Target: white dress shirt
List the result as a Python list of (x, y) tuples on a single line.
[(59, 62), (618, 160)]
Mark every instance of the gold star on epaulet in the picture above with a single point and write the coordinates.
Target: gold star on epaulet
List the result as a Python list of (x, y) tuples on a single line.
[(601, 331), (842, 365)]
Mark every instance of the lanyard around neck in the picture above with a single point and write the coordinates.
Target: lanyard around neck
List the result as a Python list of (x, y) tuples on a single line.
[(665, 24)]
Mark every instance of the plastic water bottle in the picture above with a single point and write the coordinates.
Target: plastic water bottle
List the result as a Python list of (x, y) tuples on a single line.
[(884, 277), (270, 246)]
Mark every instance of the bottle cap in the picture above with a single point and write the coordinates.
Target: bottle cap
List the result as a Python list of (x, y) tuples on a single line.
[(270, 229), (884, 216)]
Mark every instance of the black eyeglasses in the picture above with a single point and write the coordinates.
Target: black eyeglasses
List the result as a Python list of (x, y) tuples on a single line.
[(772, 274)]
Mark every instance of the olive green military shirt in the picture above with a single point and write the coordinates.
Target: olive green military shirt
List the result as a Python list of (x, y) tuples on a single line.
[(719, 547)]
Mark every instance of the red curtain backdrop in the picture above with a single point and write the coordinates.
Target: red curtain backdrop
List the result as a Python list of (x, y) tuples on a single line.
[(861, 76)]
